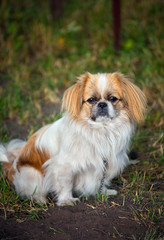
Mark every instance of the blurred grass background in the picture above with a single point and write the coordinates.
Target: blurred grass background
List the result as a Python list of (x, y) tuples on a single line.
[(41, 56)]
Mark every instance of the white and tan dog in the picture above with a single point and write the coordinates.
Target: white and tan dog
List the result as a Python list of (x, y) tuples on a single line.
[(85, 149)]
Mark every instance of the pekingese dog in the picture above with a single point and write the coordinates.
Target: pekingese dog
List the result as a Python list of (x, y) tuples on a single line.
[(85, 149)]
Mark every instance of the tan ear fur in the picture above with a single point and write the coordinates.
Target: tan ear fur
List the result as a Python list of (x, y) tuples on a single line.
[(72, 99), (133, 97)]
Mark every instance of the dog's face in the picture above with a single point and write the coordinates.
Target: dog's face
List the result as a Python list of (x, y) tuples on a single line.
[(101, 97)]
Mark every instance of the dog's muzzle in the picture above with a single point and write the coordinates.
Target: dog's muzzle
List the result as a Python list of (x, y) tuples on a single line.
[(102, 109)]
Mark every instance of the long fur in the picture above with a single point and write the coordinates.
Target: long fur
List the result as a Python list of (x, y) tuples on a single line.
[(68, 156)]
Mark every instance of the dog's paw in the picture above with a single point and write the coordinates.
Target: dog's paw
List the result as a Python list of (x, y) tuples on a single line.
[(109, 192), (67, 202), (39, 199)]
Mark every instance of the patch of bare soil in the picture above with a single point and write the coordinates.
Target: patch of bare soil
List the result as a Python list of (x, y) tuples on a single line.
[(87, 220)]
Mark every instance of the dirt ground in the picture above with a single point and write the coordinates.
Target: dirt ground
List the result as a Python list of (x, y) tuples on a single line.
[(86, 220)]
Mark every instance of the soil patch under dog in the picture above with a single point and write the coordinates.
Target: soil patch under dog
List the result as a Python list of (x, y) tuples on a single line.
[(87, 221)]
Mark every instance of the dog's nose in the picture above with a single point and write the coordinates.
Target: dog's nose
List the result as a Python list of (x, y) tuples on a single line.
[(102, 105)]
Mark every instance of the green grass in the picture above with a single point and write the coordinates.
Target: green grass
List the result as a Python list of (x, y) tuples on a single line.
[(56, 231), (41, 56)]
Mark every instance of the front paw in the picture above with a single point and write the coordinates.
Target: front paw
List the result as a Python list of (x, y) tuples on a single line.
[(109, 192), (67, 202)]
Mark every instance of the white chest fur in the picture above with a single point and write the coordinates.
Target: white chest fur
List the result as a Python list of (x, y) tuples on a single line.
[(81, 148)]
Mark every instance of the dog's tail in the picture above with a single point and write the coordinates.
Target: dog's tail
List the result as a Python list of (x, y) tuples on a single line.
[(8, 154)]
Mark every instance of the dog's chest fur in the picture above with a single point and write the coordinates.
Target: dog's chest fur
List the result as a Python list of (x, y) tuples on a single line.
[(83, 149)]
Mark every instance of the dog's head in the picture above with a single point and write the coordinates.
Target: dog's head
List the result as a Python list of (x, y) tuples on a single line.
[(102, 97)]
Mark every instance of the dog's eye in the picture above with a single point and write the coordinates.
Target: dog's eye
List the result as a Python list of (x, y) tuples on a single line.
[(91, 100), (112, 99)]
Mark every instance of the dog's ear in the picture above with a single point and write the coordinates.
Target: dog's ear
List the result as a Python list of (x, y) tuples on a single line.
[(133, 97), (73, 97)]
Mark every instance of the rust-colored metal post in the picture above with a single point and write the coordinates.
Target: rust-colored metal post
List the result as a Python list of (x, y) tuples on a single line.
[(116, 12), (56, 8)]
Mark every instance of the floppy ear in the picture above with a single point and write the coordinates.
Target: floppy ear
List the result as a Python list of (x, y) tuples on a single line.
[(72, 99), (133, 97)]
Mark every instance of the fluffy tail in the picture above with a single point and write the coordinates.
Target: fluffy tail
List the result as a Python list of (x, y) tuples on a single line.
[(3, 154), (8, 154), (11, 151)]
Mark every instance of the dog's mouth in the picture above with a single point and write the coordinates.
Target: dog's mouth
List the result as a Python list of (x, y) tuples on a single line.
[(103, 113), (101, 117)]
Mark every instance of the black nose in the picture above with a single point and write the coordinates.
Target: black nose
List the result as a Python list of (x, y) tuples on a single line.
[(102, 105)]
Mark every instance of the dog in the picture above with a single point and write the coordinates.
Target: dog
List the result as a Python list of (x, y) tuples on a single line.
[(85, 149)]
